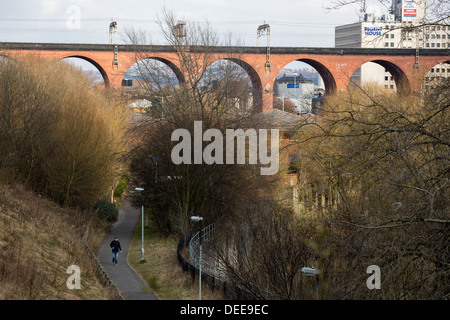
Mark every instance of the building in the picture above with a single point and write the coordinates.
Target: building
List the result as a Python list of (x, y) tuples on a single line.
[(298, 89), (402, 27)]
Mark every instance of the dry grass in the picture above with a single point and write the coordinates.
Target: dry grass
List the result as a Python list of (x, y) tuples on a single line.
[(161, 270), (38, 241)]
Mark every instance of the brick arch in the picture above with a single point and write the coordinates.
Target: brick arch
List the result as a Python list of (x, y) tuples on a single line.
[(176, 70), (324, 71), (254, 78), (400, 77), (336, 64), (95, 64), (428, 68), (327, 76)]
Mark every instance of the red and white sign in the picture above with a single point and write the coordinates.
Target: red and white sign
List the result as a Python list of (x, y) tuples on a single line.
[(410, 8), (410, 12)]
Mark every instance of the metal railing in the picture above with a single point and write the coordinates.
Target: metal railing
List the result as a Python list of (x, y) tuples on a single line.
[(216, 275), (208, 267)]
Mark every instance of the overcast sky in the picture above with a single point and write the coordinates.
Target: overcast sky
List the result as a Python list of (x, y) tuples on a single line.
[(300, 23)]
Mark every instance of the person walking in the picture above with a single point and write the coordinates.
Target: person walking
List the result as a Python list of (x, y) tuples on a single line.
[(116, 248)]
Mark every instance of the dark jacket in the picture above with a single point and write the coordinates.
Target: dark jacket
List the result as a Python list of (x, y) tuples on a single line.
[(115, 246)]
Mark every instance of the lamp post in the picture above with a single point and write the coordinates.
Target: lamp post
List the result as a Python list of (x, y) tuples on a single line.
[(162, 104), (199, 219), (142, 222), (155, 160), (312, 272), (282, 101)]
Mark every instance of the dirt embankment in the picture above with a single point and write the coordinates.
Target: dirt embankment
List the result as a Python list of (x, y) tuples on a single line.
[(38, 242)]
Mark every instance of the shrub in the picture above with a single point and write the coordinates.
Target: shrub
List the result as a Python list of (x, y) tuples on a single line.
[(118, 191), (58, 133), (106, 210)]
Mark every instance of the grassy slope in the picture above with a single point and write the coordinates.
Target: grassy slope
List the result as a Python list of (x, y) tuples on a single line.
[(38, 241), (161, 269)]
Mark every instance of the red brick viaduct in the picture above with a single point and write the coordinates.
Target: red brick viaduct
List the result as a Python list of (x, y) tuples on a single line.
[(335, 65)]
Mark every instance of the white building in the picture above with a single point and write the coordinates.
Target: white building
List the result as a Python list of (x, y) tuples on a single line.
[(299, 90), (391, 31)]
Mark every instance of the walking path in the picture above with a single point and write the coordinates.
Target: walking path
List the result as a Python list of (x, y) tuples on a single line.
[(131, 286)]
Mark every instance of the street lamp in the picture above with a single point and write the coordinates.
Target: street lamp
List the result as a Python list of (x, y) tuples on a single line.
[(162, 104), (199, 219), (312, 272), (155, 160), (142, 222)]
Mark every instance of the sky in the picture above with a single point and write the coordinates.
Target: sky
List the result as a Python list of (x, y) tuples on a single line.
[(293, 23)]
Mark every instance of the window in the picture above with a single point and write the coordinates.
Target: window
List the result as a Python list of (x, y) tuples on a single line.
[(392, 44), (443, 37), (432, 45), (438, 36), (127, 82), (386, 78), (443, 45), (427, 45), (386, 36), (392, 35), (438, 45), (386, 44)]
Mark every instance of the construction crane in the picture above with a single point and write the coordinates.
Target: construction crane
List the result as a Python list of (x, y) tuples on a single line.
[(264, 29), (113, 35)]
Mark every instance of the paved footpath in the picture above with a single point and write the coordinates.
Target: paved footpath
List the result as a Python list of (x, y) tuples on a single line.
[(131, 286)]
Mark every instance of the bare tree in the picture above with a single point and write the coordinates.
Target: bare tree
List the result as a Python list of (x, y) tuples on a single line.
[(198, 88), (65, 144), (264, 249), (386, 161)]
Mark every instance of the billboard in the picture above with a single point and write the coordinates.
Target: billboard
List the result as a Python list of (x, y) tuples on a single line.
[(410, 8)]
